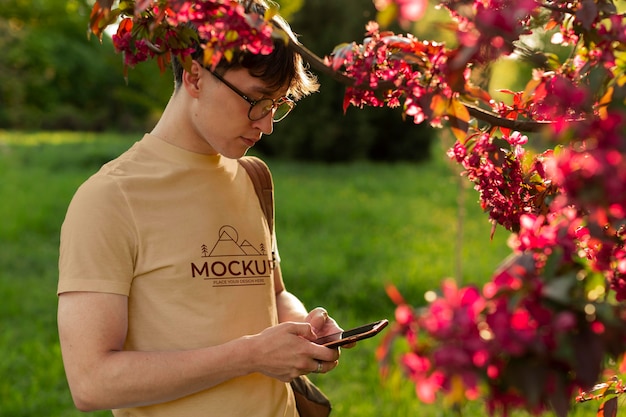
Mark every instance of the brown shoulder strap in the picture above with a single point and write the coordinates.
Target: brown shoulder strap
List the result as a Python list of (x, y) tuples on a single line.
[(261, 177)]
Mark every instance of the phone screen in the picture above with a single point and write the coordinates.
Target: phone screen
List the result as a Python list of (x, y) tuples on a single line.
[(353, 335)]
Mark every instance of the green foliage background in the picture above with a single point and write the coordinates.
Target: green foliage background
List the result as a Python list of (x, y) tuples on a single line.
[(55, 77)]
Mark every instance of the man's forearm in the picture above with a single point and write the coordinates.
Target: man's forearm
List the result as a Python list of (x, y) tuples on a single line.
[(131, 379), (289, 307)]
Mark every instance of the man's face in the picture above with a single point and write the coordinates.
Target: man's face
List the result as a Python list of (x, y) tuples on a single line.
[(222, 111)]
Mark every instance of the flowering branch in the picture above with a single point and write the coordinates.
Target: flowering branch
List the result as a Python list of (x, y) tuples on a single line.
[(490, 118), (319, 64)]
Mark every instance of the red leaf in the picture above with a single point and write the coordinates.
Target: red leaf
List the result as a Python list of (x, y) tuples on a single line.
[(394, 294), (97, 14), (477, 92), (458, 117), (125, 26), (608, 408), (164, 61), (346, 102), (100, 18)]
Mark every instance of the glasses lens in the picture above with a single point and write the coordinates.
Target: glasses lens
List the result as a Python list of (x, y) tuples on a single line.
[(282, 110), (262, 108)]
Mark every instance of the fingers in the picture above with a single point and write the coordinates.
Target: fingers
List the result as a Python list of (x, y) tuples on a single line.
[(304, 330), (285, 356), (317, 318), (322, 359), (322, 367), (322, 324)]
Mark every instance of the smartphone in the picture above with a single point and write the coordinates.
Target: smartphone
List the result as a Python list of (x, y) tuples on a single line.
[(352, 335)]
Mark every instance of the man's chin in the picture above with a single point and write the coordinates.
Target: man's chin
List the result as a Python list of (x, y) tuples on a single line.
[(236, 154)]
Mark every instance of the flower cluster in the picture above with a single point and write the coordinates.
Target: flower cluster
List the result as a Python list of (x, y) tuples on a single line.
[(591, 176), (392, 70), (226, 27), (383, 73), (162, 28), (541, 329), (508, 189), (488, 30), (521, 342)]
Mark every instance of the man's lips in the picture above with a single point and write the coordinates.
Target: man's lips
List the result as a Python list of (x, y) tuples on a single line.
[(249, 142)]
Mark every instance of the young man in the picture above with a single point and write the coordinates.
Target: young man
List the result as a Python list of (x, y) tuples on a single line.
[(169, 300)]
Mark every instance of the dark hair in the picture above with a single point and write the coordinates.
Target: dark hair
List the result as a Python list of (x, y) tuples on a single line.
[(281, 67)]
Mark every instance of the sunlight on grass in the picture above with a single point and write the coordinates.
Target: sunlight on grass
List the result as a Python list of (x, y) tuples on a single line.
[(55, 138)]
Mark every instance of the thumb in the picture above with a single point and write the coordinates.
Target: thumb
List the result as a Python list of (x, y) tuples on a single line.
[(317, 318), (304, 330)]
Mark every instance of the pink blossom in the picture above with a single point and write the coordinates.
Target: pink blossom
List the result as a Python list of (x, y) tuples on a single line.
[(412, 10), (428, 387), (404, 315)]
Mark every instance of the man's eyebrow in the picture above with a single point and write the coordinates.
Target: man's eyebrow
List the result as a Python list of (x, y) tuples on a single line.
[(265, 91)]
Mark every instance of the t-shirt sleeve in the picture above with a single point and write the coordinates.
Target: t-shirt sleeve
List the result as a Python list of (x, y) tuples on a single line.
[(98, 240)]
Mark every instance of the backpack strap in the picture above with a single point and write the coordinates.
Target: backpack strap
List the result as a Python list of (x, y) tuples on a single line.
[(261, 177), (309, 399)]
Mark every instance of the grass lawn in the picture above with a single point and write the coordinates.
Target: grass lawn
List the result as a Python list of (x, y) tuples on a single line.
[(344, 232)]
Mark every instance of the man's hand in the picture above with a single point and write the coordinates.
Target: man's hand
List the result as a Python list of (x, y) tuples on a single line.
[(324, 325), (285, 352)]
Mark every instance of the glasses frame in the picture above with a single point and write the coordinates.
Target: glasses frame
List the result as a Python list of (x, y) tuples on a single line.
[(275, 103)]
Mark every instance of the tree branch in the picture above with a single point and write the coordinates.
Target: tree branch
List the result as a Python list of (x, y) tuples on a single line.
[(493, 119), (318, 64)]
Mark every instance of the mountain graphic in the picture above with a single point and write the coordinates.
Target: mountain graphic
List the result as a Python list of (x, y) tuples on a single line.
[(227, 245), (248, 248)]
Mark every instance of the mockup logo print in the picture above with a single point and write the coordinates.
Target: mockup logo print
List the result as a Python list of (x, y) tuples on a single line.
[(232, 262)]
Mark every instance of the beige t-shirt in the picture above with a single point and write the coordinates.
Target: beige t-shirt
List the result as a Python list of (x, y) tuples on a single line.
[(184, 237)]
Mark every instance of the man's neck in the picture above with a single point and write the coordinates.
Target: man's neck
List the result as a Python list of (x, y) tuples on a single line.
[(175, 128)]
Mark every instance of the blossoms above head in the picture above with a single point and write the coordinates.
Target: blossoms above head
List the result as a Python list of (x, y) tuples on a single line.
[(162, 28)]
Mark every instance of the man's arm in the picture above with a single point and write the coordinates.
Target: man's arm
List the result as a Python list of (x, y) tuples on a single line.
[(101, 375), (290, 308)]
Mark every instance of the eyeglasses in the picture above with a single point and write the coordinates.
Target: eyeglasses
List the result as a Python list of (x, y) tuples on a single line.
[(261, 108)]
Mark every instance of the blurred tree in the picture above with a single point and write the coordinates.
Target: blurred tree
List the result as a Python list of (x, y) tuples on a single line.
[(55, 77)]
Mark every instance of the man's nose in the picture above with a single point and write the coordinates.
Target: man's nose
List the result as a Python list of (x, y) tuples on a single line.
[(266, 124)]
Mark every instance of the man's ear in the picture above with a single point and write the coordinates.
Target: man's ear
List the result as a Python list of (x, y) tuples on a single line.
[(191, 79)]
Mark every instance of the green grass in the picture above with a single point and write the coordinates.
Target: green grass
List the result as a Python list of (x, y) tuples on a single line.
[(344, 232)]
